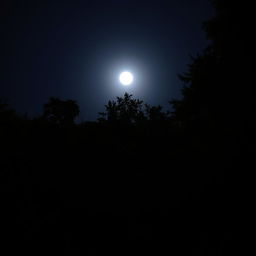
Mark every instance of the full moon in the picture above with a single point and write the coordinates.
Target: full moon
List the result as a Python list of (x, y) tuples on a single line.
[(126, 78)]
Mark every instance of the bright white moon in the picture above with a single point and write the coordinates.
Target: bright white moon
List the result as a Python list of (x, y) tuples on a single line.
[(126, 78)]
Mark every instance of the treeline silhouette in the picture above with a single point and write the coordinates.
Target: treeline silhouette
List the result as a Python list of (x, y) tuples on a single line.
[(138, 180)]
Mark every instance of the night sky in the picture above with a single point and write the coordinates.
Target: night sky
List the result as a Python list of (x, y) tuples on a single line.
[(76, 49)]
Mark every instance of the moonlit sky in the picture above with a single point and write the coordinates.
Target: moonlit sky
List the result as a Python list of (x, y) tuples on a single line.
[(76, 49)]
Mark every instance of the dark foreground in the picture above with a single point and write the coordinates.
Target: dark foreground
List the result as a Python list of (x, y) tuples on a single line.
[(95, 189)]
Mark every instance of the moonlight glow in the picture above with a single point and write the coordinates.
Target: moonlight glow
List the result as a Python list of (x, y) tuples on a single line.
[(126, 78)]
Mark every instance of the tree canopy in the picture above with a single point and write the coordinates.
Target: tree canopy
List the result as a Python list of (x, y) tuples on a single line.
[(128, 110), (219, 83), (61, 112)]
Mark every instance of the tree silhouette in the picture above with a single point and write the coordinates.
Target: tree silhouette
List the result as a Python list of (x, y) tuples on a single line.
[(125, 110), (7, 114), (201, 95), (128, 110), (155, 113), (218, 86), (61, 112)]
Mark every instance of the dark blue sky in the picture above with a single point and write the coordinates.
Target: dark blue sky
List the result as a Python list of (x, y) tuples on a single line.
[(75, 49)]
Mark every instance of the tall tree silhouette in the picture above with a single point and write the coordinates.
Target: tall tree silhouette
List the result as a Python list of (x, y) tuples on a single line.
[(218, 86), (61, 112)]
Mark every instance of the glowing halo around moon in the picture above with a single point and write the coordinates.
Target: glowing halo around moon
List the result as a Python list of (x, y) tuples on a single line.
[(126, 78)]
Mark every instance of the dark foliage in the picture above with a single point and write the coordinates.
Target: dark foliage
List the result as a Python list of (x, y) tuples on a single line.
[(219, 83), (7, 115), (60, 112), (127, 110)]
